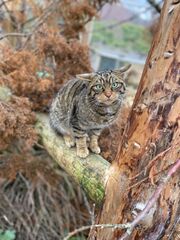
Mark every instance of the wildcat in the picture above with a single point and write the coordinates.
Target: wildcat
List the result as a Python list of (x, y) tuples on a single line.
[(86, 105)]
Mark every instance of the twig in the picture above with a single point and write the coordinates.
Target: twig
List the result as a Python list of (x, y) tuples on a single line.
[(5, 2), (49, 10), (16, 212), (90, 211), (146, 178), (161, 154), (115, 226), (14, 35), (137, 183), (155, 5), (152, 200), (12, 17), (93, 213), (173, 228)]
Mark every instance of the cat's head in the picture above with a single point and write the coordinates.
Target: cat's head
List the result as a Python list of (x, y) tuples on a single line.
[(107, 86)]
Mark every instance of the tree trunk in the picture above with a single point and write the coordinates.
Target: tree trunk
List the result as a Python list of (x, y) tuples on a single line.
[(150, 145)]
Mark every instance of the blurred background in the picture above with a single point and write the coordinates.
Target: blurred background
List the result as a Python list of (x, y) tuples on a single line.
[(43, 44), (116, 32), (122, 34)]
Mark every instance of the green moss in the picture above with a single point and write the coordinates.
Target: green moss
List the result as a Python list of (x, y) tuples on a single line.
[(92, 185), (89, 180)]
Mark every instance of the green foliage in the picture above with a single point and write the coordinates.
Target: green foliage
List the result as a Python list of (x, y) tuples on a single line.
[(128, 36), (82, 237), (136, 37), (7, 235), (77, 238)]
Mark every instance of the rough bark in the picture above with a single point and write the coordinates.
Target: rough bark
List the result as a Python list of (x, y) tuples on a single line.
[(150, 144)]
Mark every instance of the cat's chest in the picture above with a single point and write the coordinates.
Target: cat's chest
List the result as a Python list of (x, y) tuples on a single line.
[(90, 118)]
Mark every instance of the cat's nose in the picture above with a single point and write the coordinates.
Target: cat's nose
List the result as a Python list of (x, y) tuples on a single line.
[(108, 94)]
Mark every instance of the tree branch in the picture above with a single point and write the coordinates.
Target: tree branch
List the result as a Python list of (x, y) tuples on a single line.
[(14, 34), (11, 16), (83, 228), (155, 5), (42, 18), (91, 173)]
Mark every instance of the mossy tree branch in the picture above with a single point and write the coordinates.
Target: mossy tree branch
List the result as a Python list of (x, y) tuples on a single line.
[(91, 173)]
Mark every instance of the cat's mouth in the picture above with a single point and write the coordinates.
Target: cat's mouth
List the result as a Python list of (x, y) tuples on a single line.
[(106, 101), (109, 101)]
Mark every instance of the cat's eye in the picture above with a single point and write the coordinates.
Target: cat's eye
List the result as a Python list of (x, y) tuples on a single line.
[(98, 87), (115, 85)]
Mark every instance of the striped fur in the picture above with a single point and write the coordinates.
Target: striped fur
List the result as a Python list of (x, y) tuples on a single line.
[(84, 106)]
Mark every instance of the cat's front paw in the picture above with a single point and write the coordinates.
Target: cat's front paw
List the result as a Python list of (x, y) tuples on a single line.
[(93, 145), (83, 152), (95, 149), (69, 141)]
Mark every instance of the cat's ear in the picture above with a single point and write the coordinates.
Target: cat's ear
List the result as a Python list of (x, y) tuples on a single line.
[(120, 72), (85, 76)]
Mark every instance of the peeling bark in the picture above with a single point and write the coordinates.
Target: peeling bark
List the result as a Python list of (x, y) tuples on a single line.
[(151, 142)]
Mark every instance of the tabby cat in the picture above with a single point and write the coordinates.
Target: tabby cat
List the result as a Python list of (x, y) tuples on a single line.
[(86, 105)]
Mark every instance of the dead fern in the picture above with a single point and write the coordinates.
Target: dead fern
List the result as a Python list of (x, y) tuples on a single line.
[(17, 122)]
